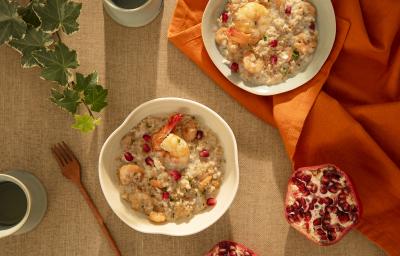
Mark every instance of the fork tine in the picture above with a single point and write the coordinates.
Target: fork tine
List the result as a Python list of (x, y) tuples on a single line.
[(69, 151), (57, 157), (64, 152), (61, 153)]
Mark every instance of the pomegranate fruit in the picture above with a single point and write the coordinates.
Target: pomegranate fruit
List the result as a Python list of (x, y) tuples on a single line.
[(321, 203), (230, 248)]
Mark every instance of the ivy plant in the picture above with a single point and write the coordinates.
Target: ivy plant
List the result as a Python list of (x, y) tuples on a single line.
[(36, 31)]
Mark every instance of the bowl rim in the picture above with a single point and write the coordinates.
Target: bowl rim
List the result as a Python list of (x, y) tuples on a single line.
[(235, 171), (264, 90)]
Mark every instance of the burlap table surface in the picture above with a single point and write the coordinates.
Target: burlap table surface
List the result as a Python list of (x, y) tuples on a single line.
[(137, 65)]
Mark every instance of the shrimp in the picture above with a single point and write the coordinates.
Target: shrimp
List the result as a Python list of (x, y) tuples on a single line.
[(252, 64), (173, 150), (140, 200), (304, 43), (128, 172), (159, 136), (157, 217), (189, 130), (250, 23), (220, 36), (305, 8)]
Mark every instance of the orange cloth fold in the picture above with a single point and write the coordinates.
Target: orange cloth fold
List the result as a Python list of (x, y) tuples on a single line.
[(348, 114)]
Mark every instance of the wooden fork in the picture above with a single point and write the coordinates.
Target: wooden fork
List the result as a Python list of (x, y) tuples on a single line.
[(71, 169)]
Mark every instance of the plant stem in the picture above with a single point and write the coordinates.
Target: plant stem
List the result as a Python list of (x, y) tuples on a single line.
[(88, 109), (59, 37)]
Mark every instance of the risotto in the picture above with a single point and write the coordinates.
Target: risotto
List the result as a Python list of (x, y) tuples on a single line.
[(171, 167), (267, 41)]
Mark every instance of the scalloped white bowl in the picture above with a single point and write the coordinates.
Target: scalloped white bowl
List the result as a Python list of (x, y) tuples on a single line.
[(326, 25), (111, 150)]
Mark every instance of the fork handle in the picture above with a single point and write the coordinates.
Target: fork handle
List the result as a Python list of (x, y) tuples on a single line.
[(99, 219)]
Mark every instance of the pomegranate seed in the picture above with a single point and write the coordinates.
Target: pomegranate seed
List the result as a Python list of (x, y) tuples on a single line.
[(345, 206), (331, 208), (288, 10), (311, 207), (320, 231), (343, 217), (128, 156), (176, 175), (307, 216), (303, 203), (289, 209), (331, 236), (147, 137), (323, 237), (146, 148), (273, 44), (274, 59), (304, 190), (234, 67), (323, 190), (333, 189), (165, 195), (293, 218), (224, 17), (346, 190), (199, 135), (149, 161), (325, 180), (211, 201), (312, 188), (339, 227), (204, 153), (342, 196), (306, 178), (312, 26), (317, 222)]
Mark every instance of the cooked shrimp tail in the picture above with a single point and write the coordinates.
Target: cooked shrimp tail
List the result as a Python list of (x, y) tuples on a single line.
[(159, 136)]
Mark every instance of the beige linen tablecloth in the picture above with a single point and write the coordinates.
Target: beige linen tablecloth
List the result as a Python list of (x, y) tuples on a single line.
[(137, 65)]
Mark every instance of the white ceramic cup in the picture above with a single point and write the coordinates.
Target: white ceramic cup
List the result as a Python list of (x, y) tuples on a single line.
[(36, 202), (137, 17)]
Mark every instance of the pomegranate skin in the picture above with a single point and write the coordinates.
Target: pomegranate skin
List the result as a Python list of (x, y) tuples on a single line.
[(224, 244), (351, 194)]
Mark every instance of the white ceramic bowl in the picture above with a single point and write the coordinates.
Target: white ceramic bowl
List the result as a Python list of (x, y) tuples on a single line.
[(112, 149), (326, 25)]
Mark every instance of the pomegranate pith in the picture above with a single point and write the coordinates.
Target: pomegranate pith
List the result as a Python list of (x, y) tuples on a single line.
[(320, 202)]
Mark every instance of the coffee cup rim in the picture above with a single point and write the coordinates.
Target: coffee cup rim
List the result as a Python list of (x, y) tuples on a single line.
[(13, 229), (113, 5)]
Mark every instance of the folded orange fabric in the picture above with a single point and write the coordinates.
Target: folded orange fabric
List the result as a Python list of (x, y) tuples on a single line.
[(349, 114)]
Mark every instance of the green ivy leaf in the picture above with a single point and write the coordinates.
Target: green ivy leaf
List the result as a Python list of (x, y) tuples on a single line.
[(85, 123), (56, 63), (56, 14), (67, 99), (82, 82), (34, 40), (28, 14), (94, 94), (11, 24)]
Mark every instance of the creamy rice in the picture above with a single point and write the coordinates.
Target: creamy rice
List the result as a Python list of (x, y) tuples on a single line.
[(267, 41), (164, 193)]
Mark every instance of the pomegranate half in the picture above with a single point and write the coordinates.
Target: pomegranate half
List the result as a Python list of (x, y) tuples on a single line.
[(229, 248), (321, 203)]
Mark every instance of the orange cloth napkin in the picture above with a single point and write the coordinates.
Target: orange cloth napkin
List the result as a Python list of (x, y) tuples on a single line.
[(348, 114)]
